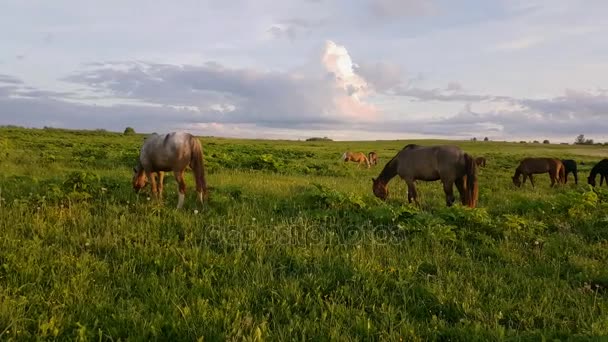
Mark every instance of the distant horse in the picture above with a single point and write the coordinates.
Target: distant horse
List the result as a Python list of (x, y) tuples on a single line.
[(357, 157), (480, 161), (373, 158), (431, 163), (170, 152), (570, 167), (530, 166), (602, 169)]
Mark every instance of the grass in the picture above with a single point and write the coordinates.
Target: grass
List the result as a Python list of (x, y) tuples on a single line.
[(292, 245)]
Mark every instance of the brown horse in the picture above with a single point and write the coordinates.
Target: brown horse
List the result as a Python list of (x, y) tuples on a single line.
[(373, 158), (357, 157), (430, 163), (530, 166), (480, 161), (171, 152)]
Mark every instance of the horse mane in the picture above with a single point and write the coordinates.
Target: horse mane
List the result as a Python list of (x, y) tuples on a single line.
[(167, 136), (410, 146), (389, 171)]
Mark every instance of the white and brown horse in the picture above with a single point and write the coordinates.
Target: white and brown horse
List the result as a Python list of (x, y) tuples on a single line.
[(171, 152)]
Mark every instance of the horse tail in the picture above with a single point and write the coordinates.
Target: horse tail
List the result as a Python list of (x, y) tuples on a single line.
[(562, 173), (472, 191), (197, 164)]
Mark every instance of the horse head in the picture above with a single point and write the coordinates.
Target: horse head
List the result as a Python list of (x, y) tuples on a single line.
[(516, 181), (591, 181), (139, 178), (380, 189)]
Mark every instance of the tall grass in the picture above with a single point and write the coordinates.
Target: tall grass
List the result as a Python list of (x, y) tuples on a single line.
[(292, 245)]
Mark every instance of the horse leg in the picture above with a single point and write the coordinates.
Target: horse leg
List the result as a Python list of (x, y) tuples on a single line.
[(179, 177), (575, 177), (461, 189), (152, 177), (531, 180), (411, 192), (553, 175), (161, 177), (566, 178), (448, 188)]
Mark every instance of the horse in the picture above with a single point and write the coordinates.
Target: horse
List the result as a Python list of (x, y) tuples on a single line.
[(480, 161), (570, 167), (171, 152), (530, 166), (357, 157), (602, 169), (373, 158), (447, 163)]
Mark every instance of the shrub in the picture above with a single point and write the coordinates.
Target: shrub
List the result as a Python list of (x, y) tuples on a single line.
[(129, 131)]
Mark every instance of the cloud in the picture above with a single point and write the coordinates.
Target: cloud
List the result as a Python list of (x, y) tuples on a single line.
[(401, 8), (450, 94), (330, 95), (518, 44), (381, 75), (294, 28), (7, 79)]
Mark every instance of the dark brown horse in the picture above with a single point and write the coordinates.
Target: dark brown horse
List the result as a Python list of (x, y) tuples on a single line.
[(480, 161), (373, 158), (529, 166), (431, 163), (602, 169), (357, 157), (570, 167), (171, 152)]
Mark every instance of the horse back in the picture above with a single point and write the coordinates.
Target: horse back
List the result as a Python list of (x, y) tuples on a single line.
[(430, 163), (166, 153)]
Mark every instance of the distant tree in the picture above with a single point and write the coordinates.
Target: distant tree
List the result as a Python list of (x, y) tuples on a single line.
[(319, 139), (580, 139), (486, 139), (522, 142), (129, 131), (546, 141), (536, 142), (474, 139)]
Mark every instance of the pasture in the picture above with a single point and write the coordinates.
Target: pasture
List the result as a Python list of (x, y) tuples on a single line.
[(292, 244)]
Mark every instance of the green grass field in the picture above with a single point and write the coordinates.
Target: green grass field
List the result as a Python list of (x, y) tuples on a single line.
[(292, 245)]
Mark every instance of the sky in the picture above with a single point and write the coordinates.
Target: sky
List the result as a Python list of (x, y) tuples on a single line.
[(293, 69)]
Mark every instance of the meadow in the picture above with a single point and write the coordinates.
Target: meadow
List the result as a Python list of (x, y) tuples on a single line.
[(292, 245)]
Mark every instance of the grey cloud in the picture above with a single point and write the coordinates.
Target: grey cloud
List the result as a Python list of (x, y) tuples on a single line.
[(382, 75), (422, 94), (7, 79), (401, 8), (258, 97), (295, 27)]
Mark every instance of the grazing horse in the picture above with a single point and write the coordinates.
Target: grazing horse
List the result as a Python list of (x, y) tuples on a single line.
[(357, 157), (431, 163), (373, 158), (530, 166), (170, 152), (480, 161), (570, 167), (602, 169)]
